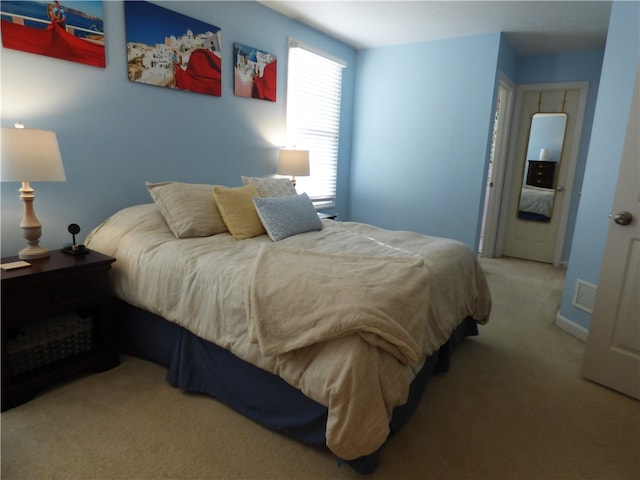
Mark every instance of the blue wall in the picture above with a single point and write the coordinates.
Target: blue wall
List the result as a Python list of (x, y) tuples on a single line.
[(507, 60), (422, 122), (619, 71), (421, 135), (115, 134)]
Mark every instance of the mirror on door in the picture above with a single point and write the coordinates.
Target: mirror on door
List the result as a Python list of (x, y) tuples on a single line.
[(541, 164)]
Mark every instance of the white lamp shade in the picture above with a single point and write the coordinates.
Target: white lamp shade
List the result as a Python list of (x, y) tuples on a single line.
[(293, 162), (30, 156)]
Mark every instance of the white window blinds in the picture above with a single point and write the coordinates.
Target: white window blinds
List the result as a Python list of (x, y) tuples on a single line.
[(314, 88)]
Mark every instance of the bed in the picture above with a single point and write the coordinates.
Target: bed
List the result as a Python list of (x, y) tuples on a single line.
[(536, 203), (325, 331)]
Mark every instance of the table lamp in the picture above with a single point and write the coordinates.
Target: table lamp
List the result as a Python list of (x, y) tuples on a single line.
[(293, 162), (30, 156)]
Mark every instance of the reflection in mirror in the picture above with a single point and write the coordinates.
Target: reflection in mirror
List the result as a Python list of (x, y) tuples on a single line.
[(544, 151)]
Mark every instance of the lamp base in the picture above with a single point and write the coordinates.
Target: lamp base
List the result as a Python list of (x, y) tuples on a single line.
[(33, 253), (31, 228)]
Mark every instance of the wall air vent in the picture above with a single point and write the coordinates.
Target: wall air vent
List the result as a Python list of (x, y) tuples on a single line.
[(584, 295)]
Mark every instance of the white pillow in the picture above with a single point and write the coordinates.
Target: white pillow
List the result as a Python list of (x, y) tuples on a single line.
[(271, 186), (284, 217), (189, 209)]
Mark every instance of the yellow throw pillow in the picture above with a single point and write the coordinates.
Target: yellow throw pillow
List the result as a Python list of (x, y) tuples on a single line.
[(238, 210)]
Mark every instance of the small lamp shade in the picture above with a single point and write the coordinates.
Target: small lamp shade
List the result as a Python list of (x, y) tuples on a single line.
[(30, 156), (293, 162)]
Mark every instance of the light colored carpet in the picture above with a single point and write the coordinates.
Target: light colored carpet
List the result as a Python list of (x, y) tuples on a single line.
[(512, 406)]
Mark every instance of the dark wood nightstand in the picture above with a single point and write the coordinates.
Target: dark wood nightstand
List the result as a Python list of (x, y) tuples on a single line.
[(72, 290), (541, 173)]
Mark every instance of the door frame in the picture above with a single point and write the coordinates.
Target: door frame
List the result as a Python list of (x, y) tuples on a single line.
[(494, 192), (511, 164)]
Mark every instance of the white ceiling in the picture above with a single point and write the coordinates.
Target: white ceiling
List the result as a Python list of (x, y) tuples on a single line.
[(532, 27)]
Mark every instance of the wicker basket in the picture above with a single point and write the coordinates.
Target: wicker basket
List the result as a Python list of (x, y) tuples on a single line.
[(43, 343)]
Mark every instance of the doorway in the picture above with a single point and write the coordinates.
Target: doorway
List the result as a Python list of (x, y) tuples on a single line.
[(495, 172), (539, 177)]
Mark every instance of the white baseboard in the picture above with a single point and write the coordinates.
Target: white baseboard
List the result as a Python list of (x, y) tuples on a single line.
[(572, 328)]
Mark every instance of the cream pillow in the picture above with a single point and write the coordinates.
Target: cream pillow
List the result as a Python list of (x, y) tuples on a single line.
[(271, 186), (238, 211), (188, 208)]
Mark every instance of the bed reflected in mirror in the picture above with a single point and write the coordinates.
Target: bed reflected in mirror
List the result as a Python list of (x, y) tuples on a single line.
[(544, 151)]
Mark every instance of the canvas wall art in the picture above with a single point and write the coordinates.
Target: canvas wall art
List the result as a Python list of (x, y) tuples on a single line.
[(69, 30), (171, 50), (255, 73)]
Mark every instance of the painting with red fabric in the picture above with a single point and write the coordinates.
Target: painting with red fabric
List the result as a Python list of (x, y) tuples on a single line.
[(171, 50), (73, 31), (255, 73)]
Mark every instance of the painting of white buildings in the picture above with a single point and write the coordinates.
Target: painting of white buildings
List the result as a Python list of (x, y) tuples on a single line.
[(171, 50)]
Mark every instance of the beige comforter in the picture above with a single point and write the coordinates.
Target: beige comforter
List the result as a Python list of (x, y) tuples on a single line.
[(208, 285), (297, 298)]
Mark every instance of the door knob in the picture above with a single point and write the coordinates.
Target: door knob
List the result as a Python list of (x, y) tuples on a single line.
[(623, 218)]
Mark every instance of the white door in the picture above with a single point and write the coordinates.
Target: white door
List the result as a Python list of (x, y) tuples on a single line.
[(542, 239), (612, 355)]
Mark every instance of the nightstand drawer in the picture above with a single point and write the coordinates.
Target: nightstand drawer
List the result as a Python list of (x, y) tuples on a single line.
[(65, 294), (541, 173)]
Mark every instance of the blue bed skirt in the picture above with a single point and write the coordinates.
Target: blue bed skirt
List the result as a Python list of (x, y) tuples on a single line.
[(537, 217), (196, 365)]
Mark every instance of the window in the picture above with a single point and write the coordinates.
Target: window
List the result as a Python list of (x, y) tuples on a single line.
[(314, 88)]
